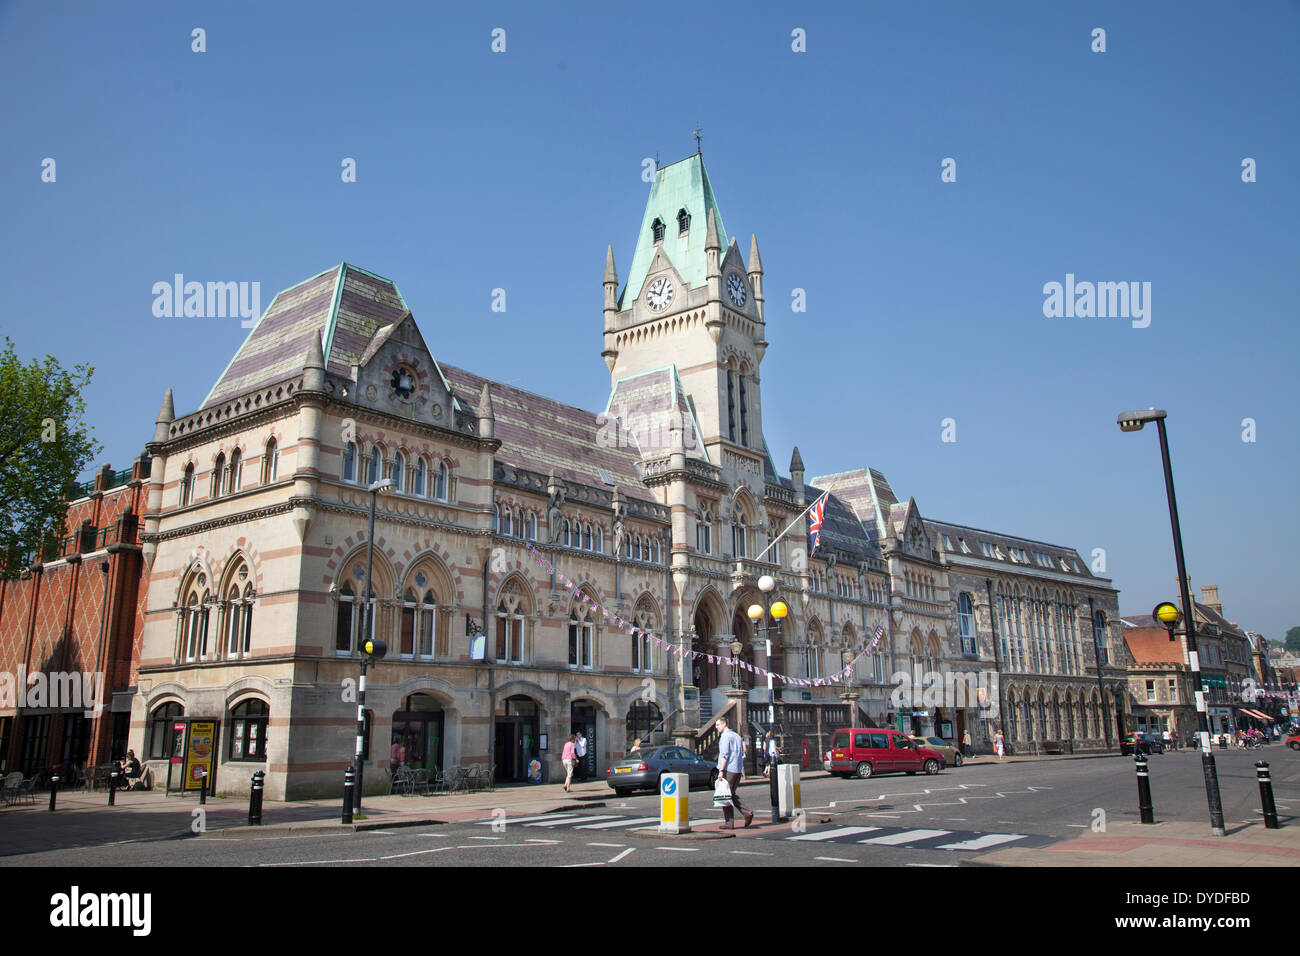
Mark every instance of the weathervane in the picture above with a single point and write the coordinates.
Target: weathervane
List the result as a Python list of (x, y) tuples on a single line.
[(697, 133)]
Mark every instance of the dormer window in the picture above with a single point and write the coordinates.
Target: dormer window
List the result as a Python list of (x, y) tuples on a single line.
[(683, 222), (657, 227)]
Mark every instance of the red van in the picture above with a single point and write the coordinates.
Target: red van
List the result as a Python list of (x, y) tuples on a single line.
[(867, 751)]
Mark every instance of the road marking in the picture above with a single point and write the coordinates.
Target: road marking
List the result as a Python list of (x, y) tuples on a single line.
[(834, 859), (679, 849), (535, 840), (475, 838), (907, 836), (540, 816), (569, 822), (381, 832), (630, 850), (398, 856), (625, 822), (1080, 826), (568, 866), (614, 845), (979, 843), (368, 859), (748, 853), (931, 864), (832, 834)]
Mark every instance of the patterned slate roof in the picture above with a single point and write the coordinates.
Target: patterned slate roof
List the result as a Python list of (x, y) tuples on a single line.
[(841, 529), (680, 185), (867, 492), (345, 305), (643, 405), (542, 435), (1005, 542)]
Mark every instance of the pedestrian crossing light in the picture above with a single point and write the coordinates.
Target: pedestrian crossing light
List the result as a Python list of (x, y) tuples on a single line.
[(374, 649), (1168, 615)]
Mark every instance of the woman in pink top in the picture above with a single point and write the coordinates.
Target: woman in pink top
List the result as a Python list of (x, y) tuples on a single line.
[(570, 757)]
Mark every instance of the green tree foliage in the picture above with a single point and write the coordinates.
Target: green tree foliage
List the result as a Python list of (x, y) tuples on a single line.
[(44, 445), (1293, 639)]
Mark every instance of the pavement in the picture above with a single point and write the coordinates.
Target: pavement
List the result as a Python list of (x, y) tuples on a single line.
[(84, 819)]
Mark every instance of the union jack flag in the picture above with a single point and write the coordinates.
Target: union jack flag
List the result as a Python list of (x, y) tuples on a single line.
[(817, 513)]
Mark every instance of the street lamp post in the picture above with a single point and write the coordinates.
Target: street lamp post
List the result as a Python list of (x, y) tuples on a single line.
[(777, 612), (1131, 422), (369, 647)]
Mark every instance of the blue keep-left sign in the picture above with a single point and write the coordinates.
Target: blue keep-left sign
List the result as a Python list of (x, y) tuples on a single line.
[(670, 786)]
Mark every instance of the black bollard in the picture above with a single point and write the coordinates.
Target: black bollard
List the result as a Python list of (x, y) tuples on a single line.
[(1144, 789), (255, 800), (203, 788), (349, 782), (1266, 795), (54, 789), (112, 788)]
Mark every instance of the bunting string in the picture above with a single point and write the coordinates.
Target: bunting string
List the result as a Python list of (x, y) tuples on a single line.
[(598, 607)]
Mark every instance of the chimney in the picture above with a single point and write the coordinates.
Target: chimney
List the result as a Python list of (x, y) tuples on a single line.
[(1210, 598)]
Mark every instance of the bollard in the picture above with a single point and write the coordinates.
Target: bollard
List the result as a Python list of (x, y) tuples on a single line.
[(1266, 795), (789, 796), (255, 800), (203, 787), (54, 789), (1144, 789), (674, 803), (112, 788), (349, 782)]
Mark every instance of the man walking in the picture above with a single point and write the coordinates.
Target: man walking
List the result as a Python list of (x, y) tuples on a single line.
[(965, 744), (731, 764)]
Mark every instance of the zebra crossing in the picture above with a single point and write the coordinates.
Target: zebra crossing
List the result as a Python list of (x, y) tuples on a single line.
[(921, 838)]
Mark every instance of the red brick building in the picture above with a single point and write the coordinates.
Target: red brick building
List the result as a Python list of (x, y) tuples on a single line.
[(76, 606)]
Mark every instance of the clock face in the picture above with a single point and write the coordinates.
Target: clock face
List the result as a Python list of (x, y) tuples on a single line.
[(736, 289), (659, 295), (403, 383)]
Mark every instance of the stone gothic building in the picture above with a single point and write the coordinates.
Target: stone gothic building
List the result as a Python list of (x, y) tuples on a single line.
[(663, 509)]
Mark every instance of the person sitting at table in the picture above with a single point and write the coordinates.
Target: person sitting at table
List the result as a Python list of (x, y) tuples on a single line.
[(130, 768)]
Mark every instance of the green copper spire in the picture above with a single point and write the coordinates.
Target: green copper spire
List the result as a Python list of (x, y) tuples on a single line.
[(682, 185)]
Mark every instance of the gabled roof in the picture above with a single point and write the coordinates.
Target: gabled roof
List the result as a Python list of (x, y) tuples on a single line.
[(643, 405), (867, 492), (1005, 543), (1150, 643), (344, 305), (542, 435), (681, 185)]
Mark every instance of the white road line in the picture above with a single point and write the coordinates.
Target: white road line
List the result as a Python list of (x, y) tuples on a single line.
[(907, 836), (832, 834), (568, 866), (1079, 826), (368, 859), (543, 842), (679, 849), (979, 843), (398, 856), (476, 838), (540, 816), (629, 851), (835, 859), (614, 845), (748, 853), (931, 864), (570, 822), (625, 822)]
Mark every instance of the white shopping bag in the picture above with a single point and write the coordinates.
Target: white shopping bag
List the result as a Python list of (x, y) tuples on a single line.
[(721, 793)]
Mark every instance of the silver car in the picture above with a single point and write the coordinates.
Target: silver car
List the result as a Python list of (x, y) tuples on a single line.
[(642, 771)]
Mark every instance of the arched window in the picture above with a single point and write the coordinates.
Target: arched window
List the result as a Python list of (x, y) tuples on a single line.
[(731, 405), (162, 730), (270, 462), (1011, 716), (376, 465), (966, 623), (744, 413), (194, 620), (348, 622), (658, 551), (236, 471), (774, 553), (421, 476), (683, 222), (582, 639), (510, 634), (238, 632), (1099, 637), (631, 544), (496, 520), (507, 522), (187, 486), (704, 530), (532, 526), (218, 477), (350, 462), (657, 229), (440, 492), (248, 722), (586, 537), (568, 534), (399, 472), (600, 540), (738, 541), (419, 625)]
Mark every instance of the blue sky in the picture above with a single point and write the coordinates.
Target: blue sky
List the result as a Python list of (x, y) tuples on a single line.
[(478, 170)]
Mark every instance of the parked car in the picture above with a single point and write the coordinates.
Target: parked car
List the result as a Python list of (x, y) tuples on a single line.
[(950, 753), (1141, 743), (642, 771), (1293, 742), (867, 751)]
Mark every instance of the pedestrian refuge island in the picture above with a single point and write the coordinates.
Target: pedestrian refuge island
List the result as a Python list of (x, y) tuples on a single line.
[(675, 803)]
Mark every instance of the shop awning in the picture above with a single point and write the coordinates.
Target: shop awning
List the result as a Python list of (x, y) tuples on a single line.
[(1255, 713)]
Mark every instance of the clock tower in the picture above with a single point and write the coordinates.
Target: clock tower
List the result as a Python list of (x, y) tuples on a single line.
[(692, 304)]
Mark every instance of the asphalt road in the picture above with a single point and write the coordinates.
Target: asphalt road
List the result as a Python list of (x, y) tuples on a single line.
[(938, 820)]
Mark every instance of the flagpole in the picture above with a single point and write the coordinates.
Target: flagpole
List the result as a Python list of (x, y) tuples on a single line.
[(790, 525)]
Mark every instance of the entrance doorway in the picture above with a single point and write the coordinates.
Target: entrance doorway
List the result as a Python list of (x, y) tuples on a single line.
[(417, 735), (515, 738), (583, 720)]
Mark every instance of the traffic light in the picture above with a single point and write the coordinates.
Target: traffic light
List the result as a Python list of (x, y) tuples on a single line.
[(374, 649)]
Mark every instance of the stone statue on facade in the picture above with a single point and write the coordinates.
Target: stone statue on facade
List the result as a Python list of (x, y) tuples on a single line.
[(555, 512)]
